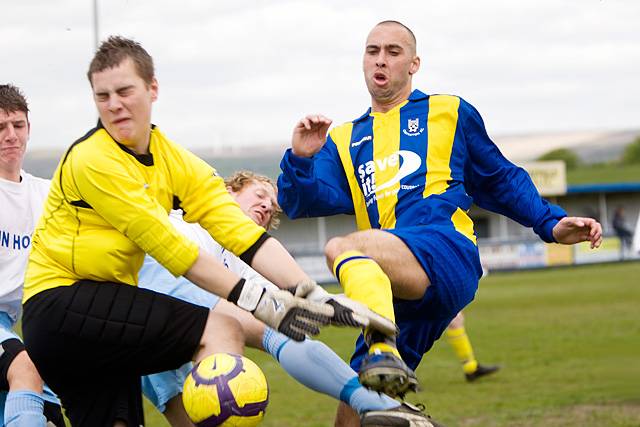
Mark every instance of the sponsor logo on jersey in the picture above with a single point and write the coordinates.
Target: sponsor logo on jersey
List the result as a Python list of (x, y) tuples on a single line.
[(361, 140), (367, 174)]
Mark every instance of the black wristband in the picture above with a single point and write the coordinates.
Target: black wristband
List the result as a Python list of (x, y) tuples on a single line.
[(234, 295)]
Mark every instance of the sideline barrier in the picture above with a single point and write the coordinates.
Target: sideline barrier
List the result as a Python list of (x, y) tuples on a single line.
[(497, 255), (530, 253)]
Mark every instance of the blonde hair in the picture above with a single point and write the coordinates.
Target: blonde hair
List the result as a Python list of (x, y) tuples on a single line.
[(240, 179)]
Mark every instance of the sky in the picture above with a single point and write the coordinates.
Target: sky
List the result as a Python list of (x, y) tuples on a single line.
[(240, 73)]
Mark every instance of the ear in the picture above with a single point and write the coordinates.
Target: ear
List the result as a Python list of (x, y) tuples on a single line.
[(154, 89), (415, 65)]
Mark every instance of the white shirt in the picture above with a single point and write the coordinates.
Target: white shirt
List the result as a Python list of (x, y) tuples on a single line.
[(155, 277), (20, 208)]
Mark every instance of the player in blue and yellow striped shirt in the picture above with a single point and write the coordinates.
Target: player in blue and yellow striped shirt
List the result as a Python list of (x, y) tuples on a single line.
[(409, 169)]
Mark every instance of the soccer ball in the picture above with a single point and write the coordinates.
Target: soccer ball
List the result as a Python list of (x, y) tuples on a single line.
[(225, 390)]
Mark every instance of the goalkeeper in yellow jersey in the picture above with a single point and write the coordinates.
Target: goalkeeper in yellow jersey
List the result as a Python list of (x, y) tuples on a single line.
[(88, 328)]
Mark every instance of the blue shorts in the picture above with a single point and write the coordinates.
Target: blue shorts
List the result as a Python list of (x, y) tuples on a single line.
[(452, 264), (162, 387), (6, 328)]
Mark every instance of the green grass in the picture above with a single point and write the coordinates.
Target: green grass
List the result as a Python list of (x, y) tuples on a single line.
[(568, 341), (604, 174)]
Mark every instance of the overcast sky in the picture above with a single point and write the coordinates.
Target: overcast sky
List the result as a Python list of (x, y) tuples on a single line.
[(234, 73)]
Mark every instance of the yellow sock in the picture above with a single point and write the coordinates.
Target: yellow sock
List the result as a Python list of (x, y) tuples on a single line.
[(384, 348), (462, 347), (364, 281)]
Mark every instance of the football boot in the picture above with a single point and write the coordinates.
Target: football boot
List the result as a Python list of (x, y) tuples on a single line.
[(481, 371), (387, 373), (405, 415)]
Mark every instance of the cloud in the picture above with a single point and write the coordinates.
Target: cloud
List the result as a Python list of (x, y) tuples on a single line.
[(241, 73)]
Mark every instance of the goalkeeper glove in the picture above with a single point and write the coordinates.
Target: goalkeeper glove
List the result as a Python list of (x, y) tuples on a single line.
[(280, 309), (347, 312)]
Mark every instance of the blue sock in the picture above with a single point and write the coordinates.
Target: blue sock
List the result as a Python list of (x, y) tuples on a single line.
[(316, 366), (24, 409)]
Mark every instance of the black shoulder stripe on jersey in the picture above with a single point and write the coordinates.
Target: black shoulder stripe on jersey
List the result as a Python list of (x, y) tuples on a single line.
[(81, 204), (82, 138), (247, 256), (66, 155)]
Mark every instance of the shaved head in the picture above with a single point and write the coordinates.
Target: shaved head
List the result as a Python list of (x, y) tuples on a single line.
[(389, 63), (412, 37)]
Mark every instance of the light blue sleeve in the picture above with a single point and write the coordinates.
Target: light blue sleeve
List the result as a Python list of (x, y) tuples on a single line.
[(155, 277)]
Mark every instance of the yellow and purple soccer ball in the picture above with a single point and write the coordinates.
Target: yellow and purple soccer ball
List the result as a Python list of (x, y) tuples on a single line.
[(225, 390)]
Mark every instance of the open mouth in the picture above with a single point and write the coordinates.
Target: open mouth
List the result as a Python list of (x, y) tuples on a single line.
[(380, 78), (259, 217)]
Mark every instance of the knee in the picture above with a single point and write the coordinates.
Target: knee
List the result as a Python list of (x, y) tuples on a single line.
[(229, 326), (223, 334), (23, 374), (457, 322), (253, 328), (336, 246)]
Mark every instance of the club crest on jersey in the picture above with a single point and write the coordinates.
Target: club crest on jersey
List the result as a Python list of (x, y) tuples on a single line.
[(413, 127)]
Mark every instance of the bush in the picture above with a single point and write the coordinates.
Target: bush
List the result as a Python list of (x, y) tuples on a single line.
[(571, 159), (631, 153)]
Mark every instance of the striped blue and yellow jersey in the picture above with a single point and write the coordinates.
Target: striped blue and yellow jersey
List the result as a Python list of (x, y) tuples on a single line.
[(423, 162)]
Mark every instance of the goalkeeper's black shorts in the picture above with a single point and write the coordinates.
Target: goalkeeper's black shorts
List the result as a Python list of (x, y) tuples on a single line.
[(92, 341)]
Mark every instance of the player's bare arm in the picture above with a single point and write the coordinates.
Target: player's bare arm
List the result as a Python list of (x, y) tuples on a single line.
[(570, 230), (309, 135), (279, 309), (277, 265)]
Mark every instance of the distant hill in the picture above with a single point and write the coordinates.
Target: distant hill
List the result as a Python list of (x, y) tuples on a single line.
[(44, 164), (591, 147)]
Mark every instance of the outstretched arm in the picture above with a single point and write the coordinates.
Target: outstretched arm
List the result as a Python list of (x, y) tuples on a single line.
[(498, 185), (313, 182), (279, 309), (570, 230), (309, 135)]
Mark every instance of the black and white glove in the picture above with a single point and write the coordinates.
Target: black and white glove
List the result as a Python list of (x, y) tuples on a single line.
[(346, 312), (293, 316)]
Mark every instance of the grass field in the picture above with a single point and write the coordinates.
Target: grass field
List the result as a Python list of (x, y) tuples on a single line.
[(568, 341), (603, 173)]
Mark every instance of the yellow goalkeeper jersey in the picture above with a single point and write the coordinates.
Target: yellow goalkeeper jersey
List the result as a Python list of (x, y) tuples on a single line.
[(108, 206)]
